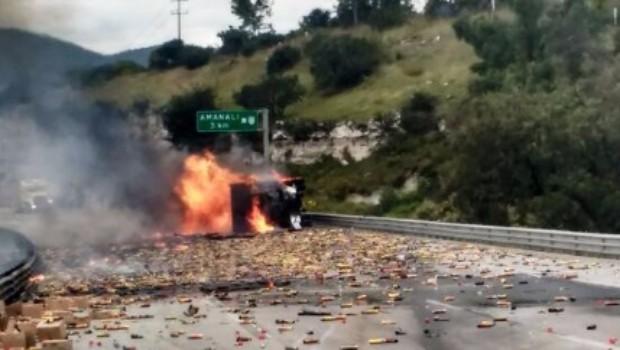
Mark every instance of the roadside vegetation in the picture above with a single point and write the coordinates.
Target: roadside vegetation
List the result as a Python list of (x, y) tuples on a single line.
[(506, 118)]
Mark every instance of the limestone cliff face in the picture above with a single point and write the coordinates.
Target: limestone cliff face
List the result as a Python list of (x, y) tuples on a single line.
[(347, 141)]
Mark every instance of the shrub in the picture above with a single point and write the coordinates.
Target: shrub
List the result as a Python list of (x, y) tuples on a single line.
[(343, 62), (233, 41), (267, 39), (317, 18), (283, 59), (176, 54), (418, 117), (167, 56), (238, 41), (107, 72), (193, 57), (273, 92)]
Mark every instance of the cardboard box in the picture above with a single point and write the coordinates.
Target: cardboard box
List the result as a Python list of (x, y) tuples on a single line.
[(51, 330), (32, 310), (106, 314), (58, 303), (13, 339), (63, 344), (14, 309), (82, 318), (82, 302), (29, 328), (67, 316)]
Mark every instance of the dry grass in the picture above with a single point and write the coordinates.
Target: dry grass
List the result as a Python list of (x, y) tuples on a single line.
[(422, 55)]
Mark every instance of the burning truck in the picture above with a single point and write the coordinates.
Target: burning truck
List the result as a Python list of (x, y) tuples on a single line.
[(217, 201)]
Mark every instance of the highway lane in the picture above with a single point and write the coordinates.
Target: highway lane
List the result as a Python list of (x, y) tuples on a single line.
[(529, 326)]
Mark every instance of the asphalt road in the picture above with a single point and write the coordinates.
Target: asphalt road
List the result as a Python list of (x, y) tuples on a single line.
[(529, 326)]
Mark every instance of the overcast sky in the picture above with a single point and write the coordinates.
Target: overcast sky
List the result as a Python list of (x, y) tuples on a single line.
[(109, 26)]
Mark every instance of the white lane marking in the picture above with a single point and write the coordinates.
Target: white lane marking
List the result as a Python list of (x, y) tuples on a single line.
[(583, 341), (328, 333), (325, 335), (444, 305)]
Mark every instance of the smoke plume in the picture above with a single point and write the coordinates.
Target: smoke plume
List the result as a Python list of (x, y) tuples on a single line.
[(109, 171)]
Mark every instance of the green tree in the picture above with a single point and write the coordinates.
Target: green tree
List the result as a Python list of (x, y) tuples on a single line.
[(449, 8), (353, 12), (529, 32), (273, 92), (492, 40), (252, 13), (234, 40), (378, 13), (179, 119), (176, 54), (540, 159), (342, 62), (389, 13), (317, 18), (167, 56), (572, 35)]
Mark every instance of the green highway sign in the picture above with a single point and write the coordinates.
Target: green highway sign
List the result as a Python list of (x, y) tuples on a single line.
[(228, 121)]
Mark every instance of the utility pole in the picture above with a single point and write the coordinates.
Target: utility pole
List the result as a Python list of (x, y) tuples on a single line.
[(179, 13), (493, 6), (354, 12)]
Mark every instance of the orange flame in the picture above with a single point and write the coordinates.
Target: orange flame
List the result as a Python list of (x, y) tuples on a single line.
[(258, 220), (204, 190)]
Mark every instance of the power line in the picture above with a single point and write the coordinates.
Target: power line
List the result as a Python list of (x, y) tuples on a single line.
[(153, 26), (179, 13)]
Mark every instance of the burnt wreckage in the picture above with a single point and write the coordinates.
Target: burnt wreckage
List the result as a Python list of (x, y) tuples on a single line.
[(282, 203)]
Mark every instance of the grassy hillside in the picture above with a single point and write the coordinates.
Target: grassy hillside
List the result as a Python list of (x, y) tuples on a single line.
[(422, 55)]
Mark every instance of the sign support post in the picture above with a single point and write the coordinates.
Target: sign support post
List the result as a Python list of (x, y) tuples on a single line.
[(266, 145)]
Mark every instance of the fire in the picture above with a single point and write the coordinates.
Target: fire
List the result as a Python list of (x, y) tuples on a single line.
[(258, 220), (204, 191)]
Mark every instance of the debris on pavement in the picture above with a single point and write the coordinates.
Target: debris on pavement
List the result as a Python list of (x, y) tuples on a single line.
[(325, 277)]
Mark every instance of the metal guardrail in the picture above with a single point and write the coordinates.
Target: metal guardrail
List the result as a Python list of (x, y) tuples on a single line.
[(579, 243)]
